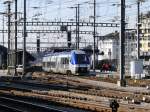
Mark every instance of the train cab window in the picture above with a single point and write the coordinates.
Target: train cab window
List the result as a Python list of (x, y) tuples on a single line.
[(82, 59)]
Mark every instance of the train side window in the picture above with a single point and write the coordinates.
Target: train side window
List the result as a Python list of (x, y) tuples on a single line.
[(64, 60), (48, 64), (67, 60), (53, 64)]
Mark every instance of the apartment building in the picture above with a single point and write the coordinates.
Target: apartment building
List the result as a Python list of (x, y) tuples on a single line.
[(145, 33)]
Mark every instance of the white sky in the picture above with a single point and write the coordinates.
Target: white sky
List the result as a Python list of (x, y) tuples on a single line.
[(106, 10)]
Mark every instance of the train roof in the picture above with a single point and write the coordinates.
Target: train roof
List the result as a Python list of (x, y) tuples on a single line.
[(66, 52), (78, 51)]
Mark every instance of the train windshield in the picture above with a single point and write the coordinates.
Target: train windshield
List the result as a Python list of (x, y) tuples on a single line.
[(82, 59)]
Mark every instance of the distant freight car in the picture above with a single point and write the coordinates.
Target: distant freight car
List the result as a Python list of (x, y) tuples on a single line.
[(74, 62)]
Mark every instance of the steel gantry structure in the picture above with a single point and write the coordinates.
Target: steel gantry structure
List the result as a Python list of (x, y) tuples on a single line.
[(59, 24), (41, 23), (47, 31)]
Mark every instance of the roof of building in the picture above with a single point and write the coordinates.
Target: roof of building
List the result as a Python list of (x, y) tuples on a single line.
[(146, 15), (114, 35)]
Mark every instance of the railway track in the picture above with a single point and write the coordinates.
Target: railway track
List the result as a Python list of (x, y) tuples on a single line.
[(63, 99), (12, 104), (76, 87), (5, 108), (17, 100), (93, 103), (75, 101), (80, 94)]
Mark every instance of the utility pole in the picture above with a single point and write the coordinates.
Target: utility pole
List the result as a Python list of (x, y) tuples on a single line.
[(8, 51), (122, 45), (9, 18), (138, 29), (3, 31), (76, 40), (78, 26), (15, 37), (24, 40), (94, 35)]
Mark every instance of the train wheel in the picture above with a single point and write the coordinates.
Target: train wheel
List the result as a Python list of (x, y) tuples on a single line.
[(68, 72)]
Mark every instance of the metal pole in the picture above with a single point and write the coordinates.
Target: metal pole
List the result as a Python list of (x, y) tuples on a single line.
[(76, 27), (8, 51), (78, 23), (122, 45), (24, 40), (138, 28), (15, 36), (3, 31), (94, 36)]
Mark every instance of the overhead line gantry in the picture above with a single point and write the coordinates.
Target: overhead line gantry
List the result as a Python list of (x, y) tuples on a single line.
[(41, 23)]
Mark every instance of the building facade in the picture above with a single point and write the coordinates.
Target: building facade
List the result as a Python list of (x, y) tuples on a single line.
[(145, 33), (110, 46), (110, 49)]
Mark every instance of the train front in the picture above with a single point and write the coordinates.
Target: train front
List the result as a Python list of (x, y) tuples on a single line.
[(80, 63)]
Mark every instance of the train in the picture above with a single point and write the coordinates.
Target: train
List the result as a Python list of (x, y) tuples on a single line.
[(74, 62)]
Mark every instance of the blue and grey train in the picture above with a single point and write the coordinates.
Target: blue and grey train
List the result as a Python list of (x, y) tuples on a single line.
[(74, 62)]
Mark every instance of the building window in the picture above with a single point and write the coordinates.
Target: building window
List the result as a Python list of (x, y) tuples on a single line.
[(149, 44), (140, 45)]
